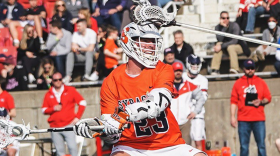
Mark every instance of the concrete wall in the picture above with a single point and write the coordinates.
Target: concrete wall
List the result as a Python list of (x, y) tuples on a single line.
[(217, 114)]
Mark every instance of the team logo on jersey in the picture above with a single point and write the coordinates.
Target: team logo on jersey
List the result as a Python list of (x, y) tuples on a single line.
[(123, 103)]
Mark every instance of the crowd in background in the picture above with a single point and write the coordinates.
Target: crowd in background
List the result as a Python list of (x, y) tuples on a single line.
[(56, 37)]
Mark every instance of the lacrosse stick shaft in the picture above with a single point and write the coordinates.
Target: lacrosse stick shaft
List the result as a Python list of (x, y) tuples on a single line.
[(227, 35), (94, 128)]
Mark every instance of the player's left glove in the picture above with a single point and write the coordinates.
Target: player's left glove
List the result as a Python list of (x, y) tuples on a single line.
[(81, 128)]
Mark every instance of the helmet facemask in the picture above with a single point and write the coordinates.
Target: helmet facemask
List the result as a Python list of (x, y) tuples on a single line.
[(148, 52), (194, 69)]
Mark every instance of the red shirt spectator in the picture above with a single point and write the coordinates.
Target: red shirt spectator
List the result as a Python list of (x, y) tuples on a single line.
[(245, 5), (60, 105), (238, 96)]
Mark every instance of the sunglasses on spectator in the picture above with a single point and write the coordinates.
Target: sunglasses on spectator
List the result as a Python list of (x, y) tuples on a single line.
[(55, 80), (60, 5), (224, 18), (252, 68)]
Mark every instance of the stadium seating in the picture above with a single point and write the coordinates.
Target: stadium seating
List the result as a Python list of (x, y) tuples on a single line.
[(5, 37), (20, 31), (7, 52), (49, 6), (26, 5)]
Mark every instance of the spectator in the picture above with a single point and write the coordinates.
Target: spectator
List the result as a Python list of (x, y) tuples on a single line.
[(246, 16), (248, 97), (59, 103), (63, 15), (29, 47), (10, 11), (101, 39), (226, 44), (59, 45), (271, 34), (83, 43), (45, 74), (35, 16), (180, 106), (169, 57), (277, 63), (8, 100), (273, 6), (192, 75), (74, 6), (109, 12), (111, 50), (255, 9), (16, 77), (180, 47), (91, 22)]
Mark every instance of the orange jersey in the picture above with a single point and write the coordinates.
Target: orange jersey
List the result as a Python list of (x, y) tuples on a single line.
[(110, 45), (120, 90)]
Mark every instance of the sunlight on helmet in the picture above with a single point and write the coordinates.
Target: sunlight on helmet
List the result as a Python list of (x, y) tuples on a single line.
[(193, 64)]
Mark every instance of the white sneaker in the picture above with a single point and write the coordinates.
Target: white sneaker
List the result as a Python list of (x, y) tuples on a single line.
[(31, 78), (66, 79), (43, 46), (87, 77), (94, 76), (233, 71)]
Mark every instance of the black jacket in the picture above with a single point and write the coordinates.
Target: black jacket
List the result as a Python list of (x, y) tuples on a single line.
[(65, 20), (18, 11), (185, 52), (17, 81)]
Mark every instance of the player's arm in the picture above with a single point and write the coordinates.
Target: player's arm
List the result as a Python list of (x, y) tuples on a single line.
[(197, 94), (157, 100)]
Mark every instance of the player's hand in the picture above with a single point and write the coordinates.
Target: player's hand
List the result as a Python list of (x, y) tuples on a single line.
[(113, 123), (137, 111), (256, 102), (57, 108), (82, 128), (233, 122), (191, 116)]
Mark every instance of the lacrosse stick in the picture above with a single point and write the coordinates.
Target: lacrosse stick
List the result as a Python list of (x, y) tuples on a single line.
[(10, 131), (145, 13)]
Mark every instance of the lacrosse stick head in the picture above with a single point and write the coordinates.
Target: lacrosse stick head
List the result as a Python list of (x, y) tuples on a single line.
[(154, 14), (142, 42), (10, 131)]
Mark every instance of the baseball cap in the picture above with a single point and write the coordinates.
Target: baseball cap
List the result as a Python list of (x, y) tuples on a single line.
[(249, 63), (168, 50), (177, 66)]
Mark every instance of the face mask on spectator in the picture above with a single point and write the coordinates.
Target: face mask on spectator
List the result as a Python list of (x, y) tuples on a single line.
[(271, 25)]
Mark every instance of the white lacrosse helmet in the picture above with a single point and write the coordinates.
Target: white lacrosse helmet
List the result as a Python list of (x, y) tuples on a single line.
[(147, 55), (193, 64)]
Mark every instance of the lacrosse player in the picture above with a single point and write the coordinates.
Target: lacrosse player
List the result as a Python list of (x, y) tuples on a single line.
[(192, 75), (143, 89)]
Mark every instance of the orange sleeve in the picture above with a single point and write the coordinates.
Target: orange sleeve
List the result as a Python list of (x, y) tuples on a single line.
[(108, 96), (165, 78)]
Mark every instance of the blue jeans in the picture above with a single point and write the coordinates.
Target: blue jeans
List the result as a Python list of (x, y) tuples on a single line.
[(244, 131), (252, 14), (277, 67), (115, 20), (60, 62)]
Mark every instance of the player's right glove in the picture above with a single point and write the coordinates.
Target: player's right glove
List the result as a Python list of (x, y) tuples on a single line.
[(113, 123)]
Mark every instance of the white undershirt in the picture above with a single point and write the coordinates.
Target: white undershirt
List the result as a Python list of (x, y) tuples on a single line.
[(57, 94)]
